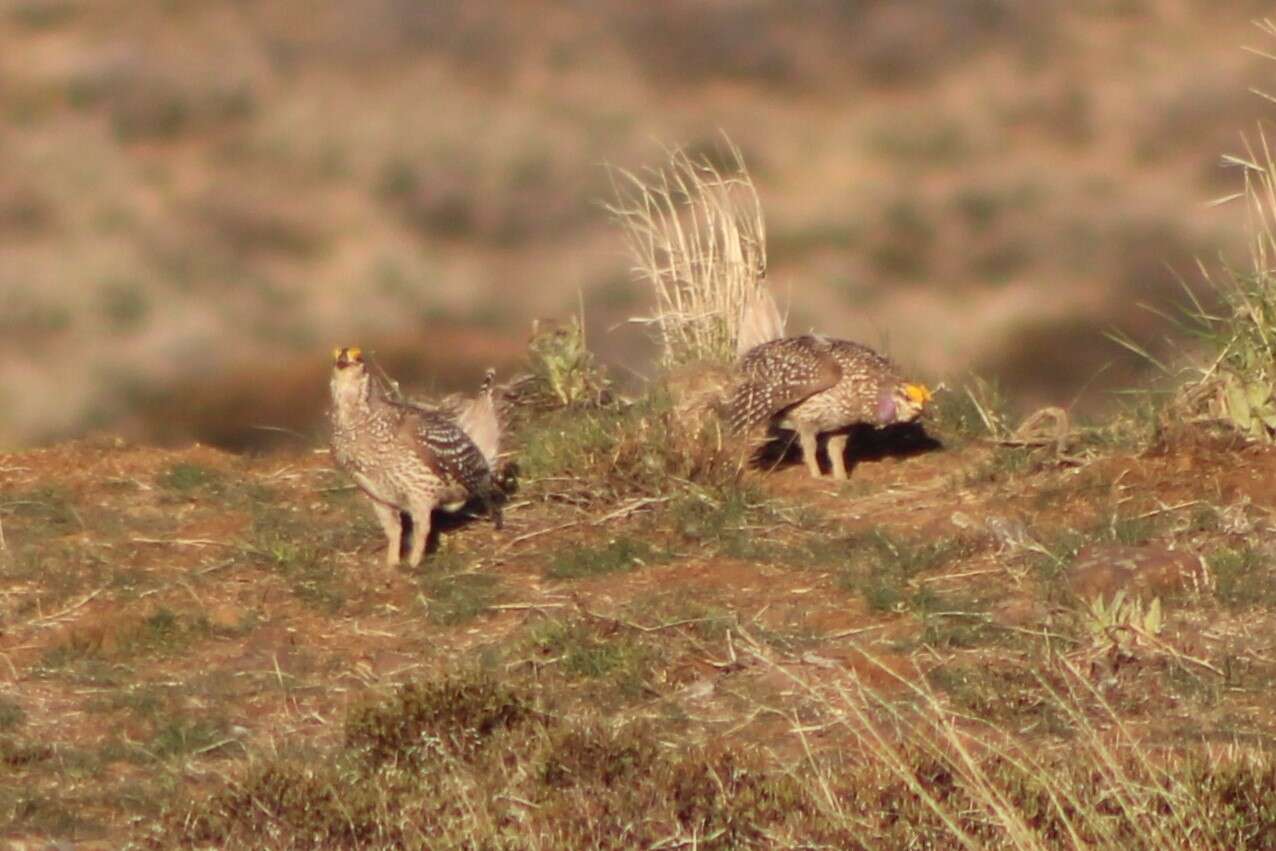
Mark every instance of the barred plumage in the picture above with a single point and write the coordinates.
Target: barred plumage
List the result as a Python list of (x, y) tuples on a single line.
[(405, 458), (815, 385)]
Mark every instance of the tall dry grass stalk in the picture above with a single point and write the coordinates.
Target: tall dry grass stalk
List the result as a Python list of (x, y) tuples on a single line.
[(1236, 385), (698, 237), (1233, 379)]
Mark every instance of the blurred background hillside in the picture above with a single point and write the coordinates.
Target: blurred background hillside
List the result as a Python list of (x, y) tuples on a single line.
[(199, 199)]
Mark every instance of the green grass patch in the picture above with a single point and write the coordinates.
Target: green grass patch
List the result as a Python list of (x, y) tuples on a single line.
[(183, 736), (12, 715), (1243, 577), (619, 450), (165, 634), (879, 567), (45, 511), (185, 479), (997, 693), (458, 597), (618, 554), (302, 555), (583, 652)]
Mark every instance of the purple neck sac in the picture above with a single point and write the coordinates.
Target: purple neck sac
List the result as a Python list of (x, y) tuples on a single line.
[(885, 406)]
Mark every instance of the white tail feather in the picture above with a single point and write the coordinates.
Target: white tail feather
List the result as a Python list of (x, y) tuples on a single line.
[(478, 420), (760, 321)]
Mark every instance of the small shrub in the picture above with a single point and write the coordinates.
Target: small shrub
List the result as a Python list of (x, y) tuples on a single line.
[(313, 807), (1235, 381), (621, 449), (455, 716), (563, 367), (592, 756)]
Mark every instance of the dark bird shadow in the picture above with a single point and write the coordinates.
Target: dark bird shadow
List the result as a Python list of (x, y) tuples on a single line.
[(867, 443)]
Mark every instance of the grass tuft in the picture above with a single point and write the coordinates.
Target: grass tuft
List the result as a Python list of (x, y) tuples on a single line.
[(697, 235), (185, 478), (620, 450), (1243, 577)]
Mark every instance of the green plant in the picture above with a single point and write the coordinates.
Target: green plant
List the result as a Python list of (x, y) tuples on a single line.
[(586, 651), (1123, 624), (563, 365), (620, 448), (973, 411)]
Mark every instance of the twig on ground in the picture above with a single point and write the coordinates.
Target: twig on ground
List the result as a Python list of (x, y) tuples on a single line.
[(184, 542), (68, 609), (1166, 509), (964, 575), (636, 626), (623, 511), (536, 533), (847, 633), (520, 607)]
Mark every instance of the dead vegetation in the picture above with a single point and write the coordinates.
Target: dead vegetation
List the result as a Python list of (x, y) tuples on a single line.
[(698, 238)]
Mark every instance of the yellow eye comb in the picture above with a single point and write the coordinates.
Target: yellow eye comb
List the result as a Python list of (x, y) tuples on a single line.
[(918, 394)]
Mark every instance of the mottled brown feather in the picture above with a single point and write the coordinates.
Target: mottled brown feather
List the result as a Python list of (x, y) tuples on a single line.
[(778, 375), (445, 448)]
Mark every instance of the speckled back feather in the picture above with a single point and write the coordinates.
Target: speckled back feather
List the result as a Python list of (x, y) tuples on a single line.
[(775, 375), (834, 382), (445, 448)]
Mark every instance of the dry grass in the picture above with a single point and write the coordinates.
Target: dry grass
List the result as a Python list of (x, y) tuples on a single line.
[(1230, 379), (978, 785), (698, 237)]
